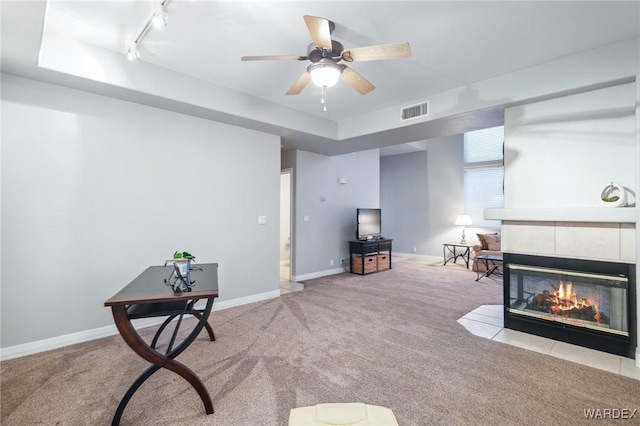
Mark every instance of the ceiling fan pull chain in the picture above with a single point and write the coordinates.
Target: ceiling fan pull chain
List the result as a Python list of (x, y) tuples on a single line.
[(323, 100)]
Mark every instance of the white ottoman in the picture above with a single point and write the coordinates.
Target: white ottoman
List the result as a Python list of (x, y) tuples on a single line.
[(351, 413)]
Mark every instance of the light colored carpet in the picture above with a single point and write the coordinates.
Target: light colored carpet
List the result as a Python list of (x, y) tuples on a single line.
[(388, 339)]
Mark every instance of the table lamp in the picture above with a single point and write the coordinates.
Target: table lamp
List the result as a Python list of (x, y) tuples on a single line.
[(463, 220)]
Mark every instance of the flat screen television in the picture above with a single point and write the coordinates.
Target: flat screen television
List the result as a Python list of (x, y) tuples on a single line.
[(369, 224)]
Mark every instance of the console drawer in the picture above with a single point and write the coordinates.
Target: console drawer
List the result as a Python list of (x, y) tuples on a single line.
[(370, 248), (386, 245)]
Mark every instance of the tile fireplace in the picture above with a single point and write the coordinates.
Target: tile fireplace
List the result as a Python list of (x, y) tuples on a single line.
[(583, 302)]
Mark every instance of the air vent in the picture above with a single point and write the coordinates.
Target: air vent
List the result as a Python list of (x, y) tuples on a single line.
[(414, 111)]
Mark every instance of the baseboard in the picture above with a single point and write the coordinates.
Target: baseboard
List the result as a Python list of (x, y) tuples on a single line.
[(226, 304), (43, 345), (424, 257), (319, 274)]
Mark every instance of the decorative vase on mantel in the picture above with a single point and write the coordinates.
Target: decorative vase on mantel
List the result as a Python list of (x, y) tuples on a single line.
[(613, 195)]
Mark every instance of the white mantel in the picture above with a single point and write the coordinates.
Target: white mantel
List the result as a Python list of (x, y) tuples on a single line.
[(596, 215)]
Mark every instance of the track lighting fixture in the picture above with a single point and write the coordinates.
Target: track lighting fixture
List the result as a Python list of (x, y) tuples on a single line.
[(158, 19)]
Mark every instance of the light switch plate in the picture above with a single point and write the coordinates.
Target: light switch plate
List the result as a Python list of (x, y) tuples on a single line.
[(262, 220)]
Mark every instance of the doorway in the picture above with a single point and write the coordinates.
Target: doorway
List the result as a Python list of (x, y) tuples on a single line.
[(286, 258), (285, 226)]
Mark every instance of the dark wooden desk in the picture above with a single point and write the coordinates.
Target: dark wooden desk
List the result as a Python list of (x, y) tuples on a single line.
[(148, 296)]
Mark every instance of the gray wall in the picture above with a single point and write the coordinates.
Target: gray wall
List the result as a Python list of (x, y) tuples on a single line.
[(421, 194), (95, 189), (331, 206), (404, 199)]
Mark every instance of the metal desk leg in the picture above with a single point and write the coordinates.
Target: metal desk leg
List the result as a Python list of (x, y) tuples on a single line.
[(139, 346)]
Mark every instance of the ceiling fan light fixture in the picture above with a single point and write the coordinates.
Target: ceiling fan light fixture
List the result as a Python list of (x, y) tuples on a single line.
[(325, 74)]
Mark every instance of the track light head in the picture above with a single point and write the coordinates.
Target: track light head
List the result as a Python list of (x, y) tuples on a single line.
[(160, 17), (133, 54)]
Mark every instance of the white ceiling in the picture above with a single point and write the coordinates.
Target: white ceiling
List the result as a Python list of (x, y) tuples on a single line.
[(453, 43)]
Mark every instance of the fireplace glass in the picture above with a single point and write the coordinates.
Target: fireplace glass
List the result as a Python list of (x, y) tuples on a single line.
[(589, 300)]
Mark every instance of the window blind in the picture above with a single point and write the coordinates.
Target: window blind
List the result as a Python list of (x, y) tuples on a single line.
[(483, 174), (483, 190), (484, 145)]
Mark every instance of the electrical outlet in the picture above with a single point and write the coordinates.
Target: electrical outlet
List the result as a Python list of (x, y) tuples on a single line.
[(341, 261), (331, 262), (415, 250)]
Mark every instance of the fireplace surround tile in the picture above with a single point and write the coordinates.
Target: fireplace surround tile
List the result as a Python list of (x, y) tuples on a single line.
[(628, 242), (580, 240), (487, 319), (628, 368), (586, 356), (528, 237), (588, 240), (525, 341), (495, 311), (480, 329)]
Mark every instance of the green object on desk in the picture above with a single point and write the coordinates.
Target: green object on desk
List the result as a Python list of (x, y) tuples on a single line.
[(183, 255)]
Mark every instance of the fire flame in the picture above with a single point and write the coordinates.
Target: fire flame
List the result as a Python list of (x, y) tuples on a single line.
[(565, 301), (566, 298)]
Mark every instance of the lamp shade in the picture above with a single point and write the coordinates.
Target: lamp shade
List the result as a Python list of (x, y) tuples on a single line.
[(463, 219), (325, 74)]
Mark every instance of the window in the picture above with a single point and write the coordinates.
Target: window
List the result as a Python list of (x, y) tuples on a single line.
[(483, 174)]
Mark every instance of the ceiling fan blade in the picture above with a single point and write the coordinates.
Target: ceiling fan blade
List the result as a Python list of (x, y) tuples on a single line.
[(274, 58), (320, 31), (373, 53), (300, 84), (355, 80)]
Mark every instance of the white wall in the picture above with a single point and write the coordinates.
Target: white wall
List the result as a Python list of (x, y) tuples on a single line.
[(562, 152), (331, 206), (94, 190), (613, 62)]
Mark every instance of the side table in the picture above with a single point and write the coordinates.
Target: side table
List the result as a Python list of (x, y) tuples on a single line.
[(453, 251)]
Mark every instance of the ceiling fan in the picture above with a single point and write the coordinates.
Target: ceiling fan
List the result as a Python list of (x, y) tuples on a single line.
[(325, 55)]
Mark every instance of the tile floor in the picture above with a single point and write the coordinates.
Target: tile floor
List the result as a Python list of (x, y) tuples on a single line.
[(287, 286), (486, 321)]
